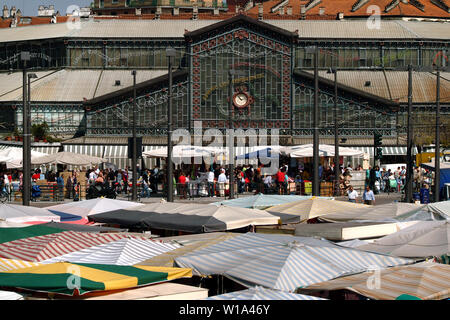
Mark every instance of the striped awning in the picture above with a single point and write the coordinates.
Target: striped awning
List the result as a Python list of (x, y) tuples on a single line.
[(260, 293), (12, 264), (282, 262), (425, 281), (388, 151), (81, 278), (124, 252), (45, 247)]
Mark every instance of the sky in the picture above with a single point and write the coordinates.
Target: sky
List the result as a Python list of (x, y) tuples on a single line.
[(30, 7)]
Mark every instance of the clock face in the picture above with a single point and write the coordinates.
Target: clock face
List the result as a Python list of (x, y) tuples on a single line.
[(240, 100)]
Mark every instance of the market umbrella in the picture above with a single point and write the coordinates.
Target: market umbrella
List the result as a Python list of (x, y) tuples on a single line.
[(13, 264), (187, 217), (68, 158), (281, 262), (12, 157), (26, 214), (82, 278), (383, 212), (303, 210), (442, 208), (124, 252), (260, 293), (82, 209), (167, 259), (262, 201), (185, 151), (324, 151), (424, 281), (422, 239), (47, 246)]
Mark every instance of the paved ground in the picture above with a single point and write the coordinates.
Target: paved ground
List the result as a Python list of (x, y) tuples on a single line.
[(380, 199)]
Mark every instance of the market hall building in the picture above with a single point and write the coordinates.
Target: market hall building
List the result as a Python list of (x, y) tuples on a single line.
[(84, 87)]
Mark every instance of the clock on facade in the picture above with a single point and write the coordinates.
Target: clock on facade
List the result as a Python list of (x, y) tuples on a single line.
[(241, 99)]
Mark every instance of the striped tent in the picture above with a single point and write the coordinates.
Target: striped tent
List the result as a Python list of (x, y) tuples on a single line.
[(47, 246), (281, 262), (24, 214), (125, 252), (300, 211), (422, 239), (262, 201), (426, 281), (167, 259), (81, 278), (11, 264), (260, 293)]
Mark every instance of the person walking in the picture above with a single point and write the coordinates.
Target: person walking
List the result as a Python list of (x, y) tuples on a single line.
[(369, 196), (211, 192), (352, 194)]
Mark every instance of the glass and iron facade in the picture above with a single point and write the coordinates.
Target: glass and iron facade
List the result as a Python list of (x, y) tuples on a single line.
[(267, 61)]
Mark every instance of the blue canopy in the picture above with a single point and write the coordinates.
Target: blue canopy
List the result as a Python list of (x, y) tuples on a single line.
[(445, 173), (259, 154), (262, 201)]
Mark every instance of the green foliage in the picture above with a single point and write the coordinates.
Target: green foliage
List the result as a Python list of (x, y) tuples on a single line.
[(40, 131)]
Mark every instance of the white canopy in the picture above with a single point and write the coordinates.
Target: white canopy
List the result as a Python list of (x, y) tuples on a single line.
[(25, 214), (185, 151), (68, 158), (422, 239), (13, 157), (325, 150), (92, 206)]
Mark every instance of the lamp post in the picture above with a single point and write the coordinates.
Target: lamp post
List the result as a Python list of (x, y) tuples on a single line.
[(437, 151), (170, 53), (409, 160), (26, 161), (316, 182), (337, 169), (26, 184), (231, 73), (134, 151)]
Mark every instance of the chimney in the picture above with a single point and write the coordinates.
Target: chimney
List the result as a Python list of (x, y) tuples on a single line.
[(340, 16), (176, 11), (216, 11), (321, 11), (19, 13), (282, 11), (302, 12), (13, 11), (289, 11), (158, 12), (237, 8), (138, 11), (5, 12), (195, 12), (260, 11)]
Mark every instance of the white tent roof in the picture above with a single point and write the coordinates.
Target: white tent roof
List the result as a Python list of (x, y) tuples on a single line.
[(422, 239), (260, 293), (92, 206), (13, 157), (125, 252), (185, 151), (67, 158), (26, 214), (325, 150)]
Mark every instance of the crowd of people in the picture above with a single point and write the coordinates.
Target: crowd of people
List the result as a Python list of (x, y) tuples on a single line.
[(212, 181)]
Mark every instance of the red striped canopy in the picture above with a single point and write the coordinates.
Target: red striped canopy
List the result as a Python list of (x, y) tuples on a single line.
[(44, 247)]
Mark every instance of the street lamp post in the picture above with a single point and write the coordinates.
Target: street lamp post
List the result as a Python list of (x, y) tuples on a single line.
[(26, 184), (409, 160), (170, 53), (337, 169), (231, 73), (316, 181), (134, 151)]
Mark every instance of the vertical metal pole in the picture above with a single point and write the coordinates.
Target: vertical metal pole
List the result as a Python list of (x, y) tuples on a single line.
[(409, 160), (337, 168), (134, 158), (26, 143), (316, 182), (437, 153), (169, 137), (231, 136)]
